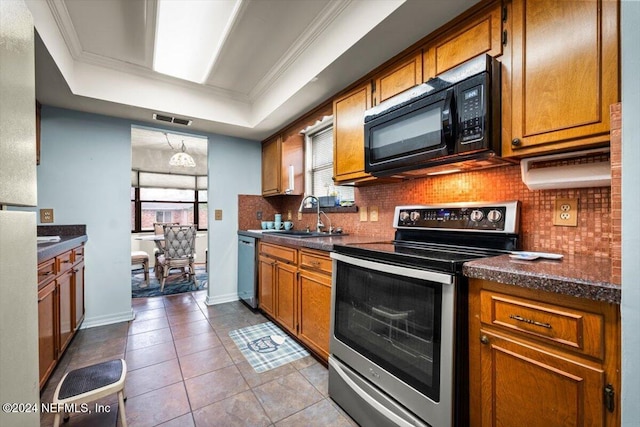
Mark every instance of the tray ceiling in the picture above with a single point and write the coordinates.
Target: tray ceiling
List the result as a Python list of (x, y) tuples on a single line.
[(279, 59)]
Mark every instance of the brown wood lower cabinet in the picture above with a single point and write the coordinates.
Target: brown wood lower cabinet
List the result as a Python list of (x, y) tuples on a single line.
[(60, 306), (542, 359), (47, 330), (314, 296), (295, 291)]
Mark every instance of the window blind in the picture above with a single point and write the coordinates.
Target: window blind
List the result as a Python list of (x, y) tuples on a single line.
[(164, 180)]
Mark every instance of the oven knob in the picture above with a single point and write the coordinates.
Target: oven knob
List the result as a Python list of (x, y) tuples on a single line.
[(404, 216), (476, 216), (494, 216), (415, 215)]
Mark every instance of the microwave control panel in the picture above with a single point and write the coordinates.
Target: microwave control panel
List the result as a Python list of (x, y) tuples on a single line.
[(471, 110)]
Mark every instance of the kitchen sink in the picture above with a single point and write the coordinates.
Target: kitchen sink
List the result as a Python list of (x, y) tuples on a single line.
[(303, 233)]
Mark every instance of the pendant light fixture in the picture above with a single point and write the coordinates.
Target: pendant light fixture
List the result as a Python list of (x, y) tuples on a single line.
[(181, 158)]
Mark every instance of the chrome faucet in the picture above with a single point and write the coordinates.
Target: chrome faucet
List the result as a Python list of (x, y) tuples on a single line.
[(319, 224)]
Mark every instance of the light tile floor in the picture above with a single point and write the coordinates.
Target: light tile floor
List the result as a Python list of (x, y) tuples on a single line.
[(184, 370)]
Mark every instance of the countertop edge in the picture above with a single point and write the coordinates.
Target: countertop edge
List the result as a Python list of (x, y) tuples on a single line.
[(318, 243), (51, 249), (597, 290)]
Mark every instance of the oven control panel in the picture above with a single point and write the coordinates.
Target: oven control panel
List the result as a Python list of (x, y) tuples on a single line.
[(499, 217)]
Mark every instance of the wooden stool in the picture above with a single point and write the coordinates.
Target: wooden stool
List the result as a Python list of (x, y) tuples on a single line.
[(88, 384), (141, 258)]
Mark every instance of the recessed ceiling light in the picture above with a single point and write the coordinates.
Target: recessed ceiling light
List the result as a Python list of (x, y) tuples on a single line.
[(189, 35)]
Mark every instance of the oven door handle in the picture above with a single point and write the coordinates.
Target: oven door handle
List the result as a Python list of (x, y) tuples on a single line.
[(431, 276), (386, 412)]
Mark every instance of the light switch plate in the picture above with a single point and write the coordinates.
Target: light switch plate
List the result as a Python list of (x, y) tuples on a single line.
[(217, 215), (373, 213), (46, 216), (363, 213)]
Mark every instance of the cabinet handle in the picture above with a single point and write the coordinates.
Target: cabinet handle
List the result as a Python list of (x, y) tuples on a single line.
[(47, 273), (516, 142), (529, 321), (609, 395), (65, 261), (484, 339)]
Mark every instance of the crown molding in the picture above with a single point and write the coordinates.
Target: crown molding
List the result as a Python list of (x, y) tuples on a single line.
[(319, 26)]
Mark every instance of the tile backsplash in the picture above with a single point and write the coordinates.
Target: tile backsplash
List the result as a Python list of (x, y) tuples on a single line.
[(592, 236)]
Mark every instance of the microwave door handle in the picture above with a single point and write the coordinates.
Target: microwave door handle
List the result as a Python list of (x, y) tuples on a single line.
[(448, 114)]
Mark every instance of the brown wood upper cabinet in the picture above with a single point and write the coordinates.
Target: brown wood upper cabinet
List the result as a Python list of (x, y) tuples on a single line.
[(478, 34), (348, 134), (278, 155), (563, 73), (398, 77)]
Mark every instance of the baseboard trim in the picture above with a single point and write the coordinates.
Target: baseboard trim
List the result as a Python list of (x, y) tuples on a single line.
[(108, 319), (220, 299)]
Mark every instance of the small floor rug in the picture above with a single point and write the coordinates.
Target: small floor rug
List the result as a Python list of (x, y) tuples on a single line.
[(266, 347), (175, 283)]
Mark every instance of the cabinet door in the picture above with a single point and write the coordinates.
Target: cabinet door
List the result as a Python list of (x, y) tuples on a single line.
[(286, 292), (292, 160), (65, 303), (78, 295), (315, 311), (564, 75), (399, 77), (526, 386), (348, 134), (47, 330), (266, 279), (480, 34), (271, 173)]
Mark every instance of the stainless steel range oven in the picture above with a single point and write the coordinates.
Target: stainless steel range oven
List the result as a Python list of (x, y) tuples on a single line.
[(399, 316)]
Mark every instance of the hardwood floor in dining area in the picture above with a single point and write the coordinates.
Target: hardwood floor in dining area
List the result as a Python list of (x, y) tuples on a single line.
[(184, 370)]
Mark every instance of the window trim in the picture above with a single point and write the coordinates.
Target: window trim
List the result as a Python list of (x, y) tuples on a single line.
[(137, 201), (321, 125)]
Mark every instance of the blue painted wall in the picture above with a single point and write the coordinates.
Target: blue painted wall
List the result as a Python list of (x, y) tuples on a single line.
[(84, 175)]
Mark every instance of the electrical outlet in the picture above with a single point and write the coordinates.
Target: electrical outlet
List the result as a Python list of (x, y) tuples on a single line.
[(259, 215), (217, 215), (299, 216), (373, 213), (363, 213), (566, 212), (289, 215), (46, 216)]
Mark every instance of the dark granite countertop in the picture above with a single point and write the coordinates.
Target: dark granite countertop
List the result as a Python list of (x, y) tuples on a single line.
[(575, 275), (50, 249), (319, 243), (71, 236)]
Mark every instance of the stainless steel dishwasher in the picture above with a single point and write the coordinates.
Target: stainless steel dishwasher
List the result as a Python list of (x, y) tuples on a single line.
[(247, 274)]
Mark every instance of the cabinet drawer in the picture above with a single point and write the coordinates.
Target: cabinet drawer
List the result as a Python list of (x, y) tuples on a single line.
[(64, 261), (568, 328), (315, 261), (279, 252), (46, 271), (78, 254)]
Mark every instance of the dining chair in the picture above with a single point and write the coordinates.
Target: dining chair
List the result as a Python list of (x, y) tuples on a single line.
[(158, 230), (179, 252)]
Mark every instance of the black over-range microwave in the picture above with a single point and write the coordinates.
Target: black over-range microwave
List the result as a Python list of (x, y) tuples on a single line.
[(449, 124)]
